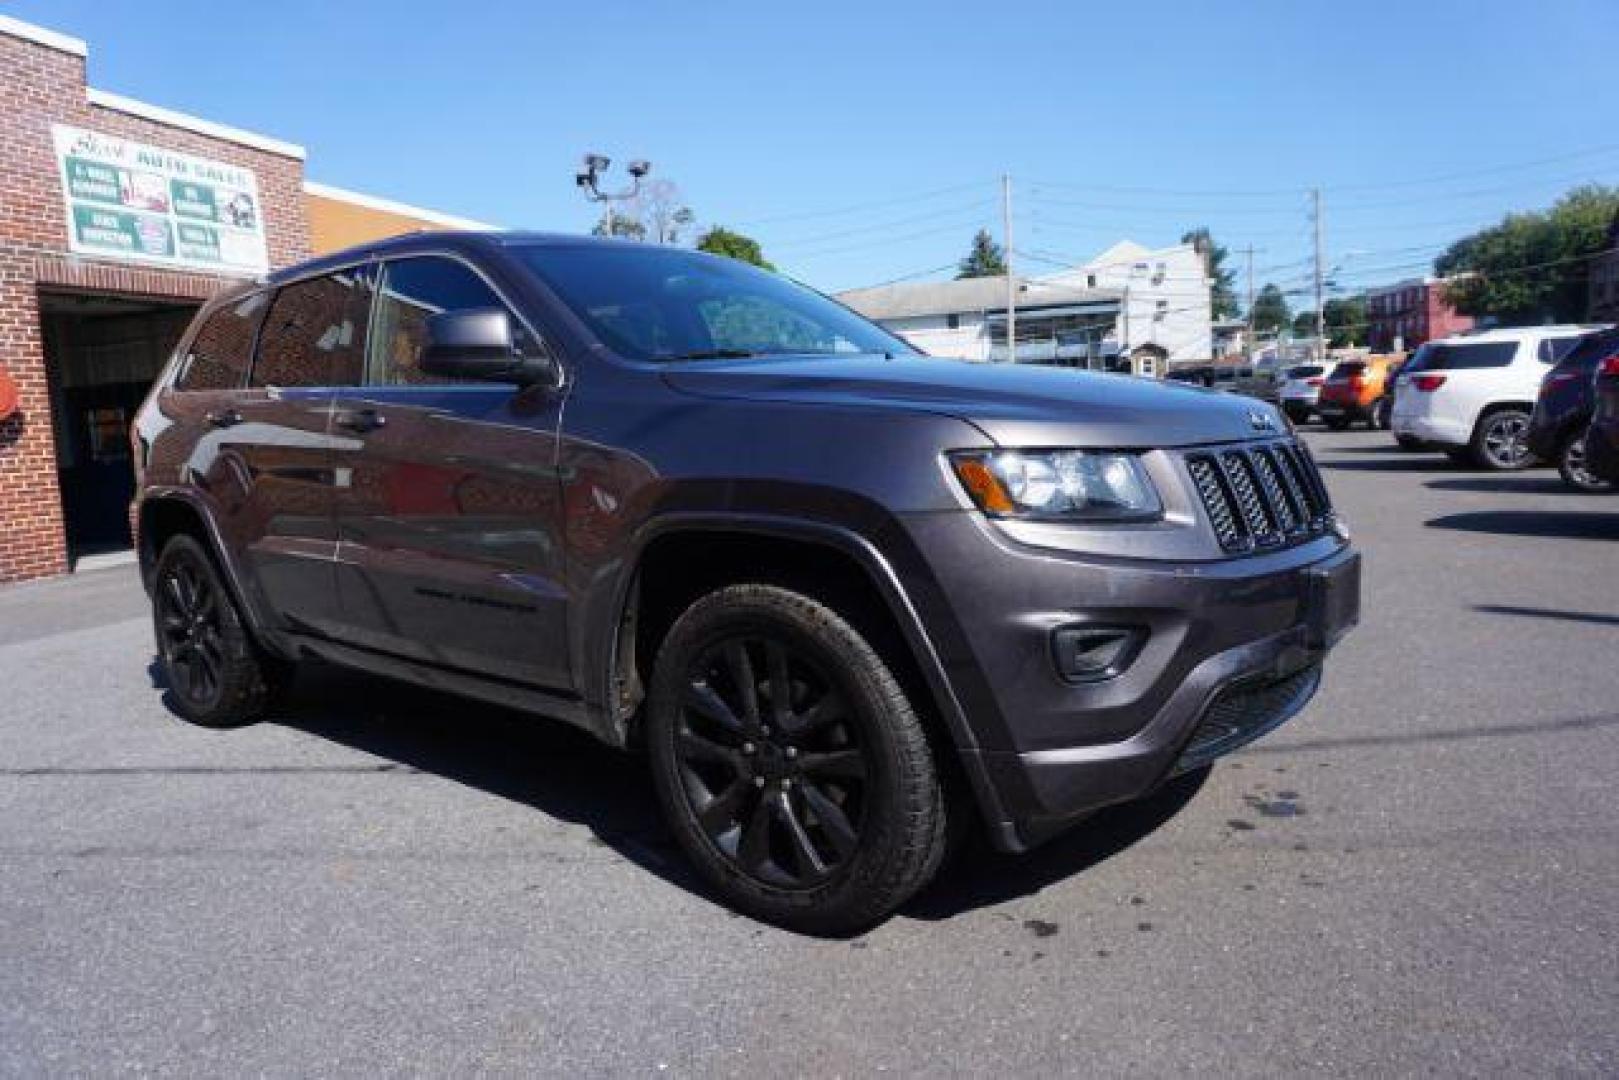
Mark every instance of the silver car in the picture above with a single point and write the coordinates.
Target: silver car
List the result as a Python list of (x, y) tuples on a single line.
[(1300, 390)]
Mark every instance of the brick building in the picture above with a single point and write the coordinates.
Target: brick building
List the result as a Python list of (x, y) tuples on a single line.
[(117, 218), (1403, 316)]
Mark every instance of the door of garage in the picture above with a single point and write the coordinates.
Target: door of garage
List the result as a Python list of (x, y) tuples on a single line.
[(102, 353)]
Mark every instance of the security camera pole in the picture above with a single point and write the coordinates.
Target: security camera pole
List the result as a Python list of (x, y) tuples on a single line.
[(595, 165)]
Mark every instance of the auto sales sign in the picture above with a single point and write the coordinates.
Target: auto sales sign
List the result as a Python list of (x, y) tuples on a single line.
[(129, 200)]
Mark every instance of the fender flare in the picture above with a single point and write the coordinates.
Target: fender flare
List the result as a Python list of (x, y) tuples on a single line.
[(878, 569)]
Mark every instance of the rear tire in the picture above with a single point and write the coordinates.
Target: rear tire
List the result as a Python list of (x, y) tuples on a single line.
[(789, 763), (216, 674), (1572, 467), (1498, 441)]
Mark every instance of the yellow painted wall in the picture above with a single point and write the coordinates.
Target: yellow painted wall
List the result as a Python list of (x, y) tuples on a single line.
[(335, 224)]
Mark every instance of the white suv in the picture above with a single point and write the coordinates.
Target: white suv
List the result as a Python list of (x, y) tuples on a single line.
[(1471, 394)]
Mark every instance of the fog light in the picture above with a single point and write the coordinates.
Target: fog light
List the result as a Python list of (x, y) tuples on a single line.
[(1093, 653)]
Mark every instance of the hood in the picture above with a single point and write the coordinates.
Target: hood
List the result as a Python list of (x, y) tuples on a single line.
[(1013, 404)]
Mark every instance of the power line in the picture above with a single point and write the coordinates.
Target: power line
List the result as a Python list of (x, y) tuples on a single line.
[(859, 230), (861, 207)]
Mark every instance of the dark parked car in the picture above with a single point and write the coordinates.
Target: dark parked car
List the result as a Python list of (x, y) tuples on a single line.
[(841, 593), (1602, 438), (1563, 411)]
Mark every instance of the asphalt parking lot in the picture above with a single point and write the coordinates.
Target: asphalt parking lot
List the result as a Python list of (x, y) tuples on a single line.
[(1417, 875)]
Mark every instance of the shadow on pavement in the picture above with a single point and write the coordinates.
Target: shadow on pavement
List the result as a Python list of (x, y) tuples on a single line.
[(980, 877), (559, 771), (567, 775), (1549, 613), (1552, 524), (1506, 485), (1400, 464)]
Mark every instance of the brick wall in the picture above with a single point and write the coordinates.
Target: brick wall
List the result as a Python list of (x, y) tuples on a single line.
[(40, 86)]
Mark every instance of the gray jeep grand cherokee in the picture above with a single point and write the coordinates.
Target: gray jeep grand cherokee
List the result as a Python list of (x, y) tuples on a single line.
[(843, 594)]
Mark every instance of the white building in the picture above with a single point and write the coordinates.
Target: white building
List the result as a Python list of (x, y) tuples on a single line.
[(1129, 309)]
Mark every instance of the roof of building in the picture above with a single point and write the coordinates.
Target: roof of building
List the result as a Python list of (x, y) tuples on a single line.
[(915, 299)]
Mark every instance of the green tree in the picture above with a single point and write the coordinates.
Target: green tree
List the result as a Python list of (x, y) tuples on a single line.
[(722, 241), (1304, 324), (1270, 310), (1534, 266), (1346, 321), (624, 226), (1222, 281), (986, 259)]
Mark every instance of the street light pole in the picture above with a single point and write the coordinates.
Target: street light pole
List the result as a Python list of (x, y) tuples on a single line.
[(589, 178)]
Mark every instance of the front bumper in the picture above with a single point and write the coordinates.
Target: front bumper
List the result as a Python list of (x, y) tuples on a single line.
[(1231, 648)]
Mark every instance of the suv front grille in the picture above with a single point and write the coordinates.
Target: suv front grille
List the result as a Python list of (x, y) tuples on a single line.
[(1261, 495), (1240, 714)]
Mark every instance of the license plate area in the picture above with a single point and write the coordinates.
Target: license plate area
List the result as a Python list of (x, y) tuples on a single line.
[(1331, 601)]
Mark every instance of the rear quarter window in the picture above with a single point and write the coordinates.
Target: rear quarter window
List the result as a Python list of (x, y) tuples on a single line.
[(218, 355), (1465, 357)]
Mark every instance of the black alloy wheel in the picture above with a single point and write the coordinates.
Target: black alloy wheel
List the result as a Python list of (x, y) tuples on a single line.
[(772, 765), (1576, 471), (790, 764), (217, 674), (192, 644)]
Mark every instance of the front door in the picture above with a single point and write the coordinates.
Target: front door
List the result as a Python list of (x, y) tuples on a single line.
[(448, 506)]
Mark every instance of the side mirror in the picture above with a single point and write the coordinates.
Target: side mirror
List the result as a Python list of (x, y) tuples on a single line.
[(479, 343)]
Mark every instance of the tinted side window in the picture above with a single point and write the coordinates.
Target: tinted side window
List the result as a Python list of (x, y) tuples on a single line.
[(314, 334), (1554, 349), (218, 356), (413, 290), (1483, 354)]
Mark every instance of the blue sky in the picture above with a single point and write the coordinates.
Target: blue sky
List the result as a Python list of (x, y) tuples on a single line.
[(861, 142)]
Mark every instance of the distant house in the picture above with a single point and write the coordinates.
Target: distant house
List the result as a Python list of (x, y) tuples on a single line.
[(1603, 302), (1129, 309), (1407, 314)]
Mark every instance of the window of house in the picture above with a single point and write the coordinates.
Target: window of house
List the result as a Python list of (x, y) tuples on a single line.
[(314, 332), (412, 291), (219, 353), (953, 322)]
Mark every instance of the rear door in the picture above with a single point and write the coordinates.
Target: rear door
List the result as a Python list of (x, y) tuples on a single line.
[(448, 503), (312, 337)]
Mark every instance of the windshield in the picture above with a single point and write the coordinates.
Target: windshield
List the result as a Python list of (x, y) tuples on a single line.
[(1345, 372), (668, 304)]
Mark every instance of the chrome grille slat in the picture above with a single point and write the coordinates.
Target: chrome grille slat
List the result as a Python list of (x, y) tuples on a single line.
[(1260, 495)]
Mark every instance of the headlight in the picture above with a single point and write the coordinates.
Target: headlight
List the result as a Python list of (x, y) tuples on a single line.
[(1058, 485)]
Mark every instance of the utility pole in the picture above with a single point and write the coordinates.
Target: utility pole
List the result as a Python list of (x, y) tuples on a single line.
[(1248, 335), (1011, 281), (1320, 261)]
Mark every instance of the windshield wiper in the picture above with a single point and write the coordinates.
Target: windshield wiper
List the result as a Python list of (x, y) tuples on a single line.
[(714, 354)]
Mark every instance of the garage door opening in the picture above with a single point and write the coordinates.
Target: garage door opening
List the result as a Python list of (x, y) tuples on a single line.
[(102, 352)]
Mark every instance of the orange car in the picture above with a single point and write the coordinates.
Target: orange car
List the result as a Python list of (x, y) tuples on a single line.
[(1355, 390)]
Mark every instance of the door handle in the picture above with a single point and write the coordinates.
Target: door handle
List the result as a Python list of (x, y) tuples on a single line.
[(223, 418), (359, 420)]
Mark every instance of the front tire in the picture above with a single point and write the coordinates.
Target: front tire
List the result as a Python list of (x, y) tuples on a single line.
[(217, 675), (1498, 442), (790, 764), (1576, 473)]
